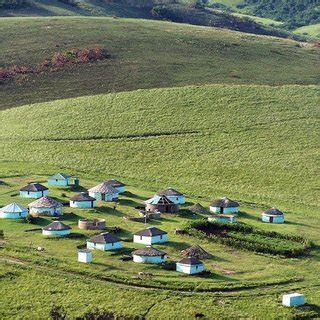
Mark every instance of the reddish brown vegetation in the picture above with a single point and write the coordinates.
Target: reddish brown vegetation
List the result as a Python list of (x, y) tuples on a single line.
[(56, 62)]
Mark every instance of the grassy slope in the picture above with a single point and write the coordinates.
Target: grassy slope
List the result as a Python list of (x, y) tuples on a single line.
[(312, 30), (255, 143), (145, 54)]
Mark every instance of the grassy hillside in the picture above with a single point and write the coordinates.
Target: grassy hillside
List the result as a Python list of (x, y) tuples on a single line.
[(255, 143), (144, 54), (312, 31)]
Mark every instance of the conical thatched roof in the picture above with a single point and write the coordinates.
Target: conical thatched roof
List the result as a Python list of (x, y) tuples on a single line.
[(198, 208), (224, 203), (196, 252), (45, 202), (104, 187)]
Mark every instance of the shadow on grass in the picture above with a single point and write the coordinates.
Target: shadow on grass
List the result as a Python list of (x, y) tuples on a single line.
[(133, 195), (110, 211), (179, 246), (246, 215), (71, 216), (129, 203)]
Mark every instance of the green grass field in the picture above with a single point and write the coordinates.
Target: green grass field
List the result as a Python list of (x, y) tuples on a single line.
[(144, 54)]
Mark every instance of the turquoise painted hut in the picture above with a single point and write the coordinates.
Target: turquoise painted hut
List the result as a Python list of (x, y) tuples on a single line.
[(224, 218), (82, 200), (56, 229), (150, 236), (59, 180), (161, 204), (13, 211), (190, 266), (121, 187), (104, 192), (149, 255), (34, 190), (272, 215), (224, 205), (174, 195), (45, 206), (105, 242)]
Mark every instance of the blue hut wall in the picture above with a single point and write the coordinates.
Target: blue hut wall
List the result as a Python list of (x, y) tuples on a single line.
[(148, 259), (225, 210), (177, 199), (150, 240), (13, 215), (34, 194), (59, 182), (46, 211), (189, 269), (56, 233), (82, 204), (276, 219), (104, 246), (108, 196)]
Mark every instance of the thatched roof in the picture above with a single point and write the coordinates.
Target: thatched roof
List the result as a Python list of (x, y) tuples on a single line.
[(56, 226), (83, 196), (150, 232), (34, 187), (196, 252), (170, 192), (115, 183), (190, 261), (104, 238), (224, 203), (159, 200), (45, 202), (13, 208), (198, 208), (148, 251), (103, 188), (273, 212)]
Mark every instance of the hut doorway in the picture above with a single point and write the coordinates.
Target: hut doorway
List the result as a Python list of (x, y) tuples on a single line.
[(221, 209), (271, 220), (103, 196)]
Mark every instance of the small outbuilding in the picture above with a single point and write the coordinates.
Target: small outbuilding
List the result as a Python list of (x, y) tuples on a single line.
[(161, 204), (121, 187), (224, 205), (273, 215), (13, 211), (34, 190), (293, 299), (173, 195), (82, 200), (105, 242), (150, 236), (149, 255), (224, 218), (190, 266), (198, 209), (85, 255), (45, 206), (56, 229), (104, 192), (59, 180)]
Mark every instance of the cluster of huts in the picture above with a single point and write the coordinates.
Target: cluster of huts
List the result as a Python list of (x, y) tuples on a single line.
[(165, 201)]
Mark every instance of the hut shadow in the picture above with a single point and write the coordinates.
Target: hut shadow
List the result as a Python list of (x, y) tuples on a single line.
[(133, 195), (40, 221), (246, 215), (70, 216), (298, 224), (78, 189), (187, 214), (130, 203)]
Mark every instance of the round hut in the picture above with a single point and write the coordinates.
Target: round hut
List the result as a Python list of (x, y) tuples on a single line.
[(173, 195), (161, 204), (82, 200), (104, 241), (198, 209), (104, 192), (13, 211), (34, 190), (273, 215), (150, 236), (45, 206), (224, 205), (121, 187), (190, 266), (56, 229), (149, 255)]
